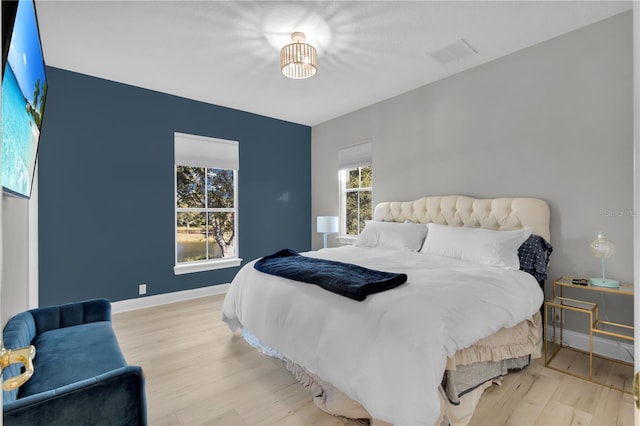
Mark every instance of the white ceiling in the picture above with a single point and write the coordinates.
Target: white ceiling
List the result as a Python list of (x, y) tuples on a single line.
[(227, 52)]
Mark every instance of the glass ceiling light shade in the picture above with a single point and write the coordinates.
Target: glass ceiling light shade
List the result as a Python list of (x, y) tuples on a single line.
[(298, 60), (602, 247)]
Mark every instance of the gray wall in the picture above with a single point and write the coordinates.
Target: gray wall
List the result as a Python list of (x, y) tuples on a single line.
[(553, 121), (19, 254), (15, 259)]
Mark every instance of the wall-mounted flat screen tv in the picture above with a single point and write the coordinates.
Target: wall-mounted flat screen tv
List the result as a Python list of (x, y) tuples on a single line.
[(24, 91)]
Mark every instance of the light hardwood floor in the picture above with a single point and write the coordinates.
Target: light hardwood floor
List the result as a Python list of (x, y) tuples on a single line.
[(198, 373)]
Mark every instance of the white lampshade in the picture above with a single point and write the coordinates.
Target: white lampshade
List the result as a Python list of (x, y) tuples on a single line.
[(602, 248), (327, 224)]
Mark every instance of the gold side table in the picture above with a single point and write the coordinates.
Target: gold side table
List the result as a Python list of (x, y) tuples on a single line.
[(596, 326)]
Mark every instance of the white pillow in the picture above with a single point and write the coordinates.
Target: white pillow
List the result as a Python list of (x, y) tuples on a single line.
[(483, 246), (392, 235)]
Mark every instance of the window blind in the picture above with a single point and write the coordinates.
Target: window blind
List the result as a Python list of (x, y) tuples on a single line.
[(201, 151), (353, 156)]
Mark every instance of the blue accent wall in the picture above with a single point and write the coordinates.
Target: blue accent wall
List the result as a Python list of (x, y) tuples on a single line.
[(106, 187)]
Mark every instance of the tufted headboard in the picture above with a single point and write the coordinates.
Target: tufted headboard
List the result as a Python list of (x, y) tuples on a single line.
[(501, 214)]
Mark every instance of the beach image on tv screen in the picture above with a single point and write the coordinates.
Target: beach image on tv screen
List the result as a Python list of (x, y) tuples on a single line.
[(24, 89)]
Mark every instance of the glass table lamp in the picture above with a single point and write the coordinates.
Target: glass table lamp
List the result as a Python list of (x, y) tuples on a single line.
[(602, 247), (327, 225)]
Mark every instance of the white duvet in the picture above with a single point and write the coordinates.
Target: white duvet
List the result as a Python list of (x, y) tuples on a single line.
[(389, 351)]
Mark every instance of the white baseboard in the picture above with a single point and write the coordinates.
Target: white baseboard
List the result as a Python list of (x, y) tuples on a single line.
[(601, 346), (164, 299)]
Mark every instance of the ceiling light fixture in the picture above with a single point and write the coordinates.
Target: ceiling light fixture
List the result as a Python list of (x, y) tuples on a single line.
[(298, 60)]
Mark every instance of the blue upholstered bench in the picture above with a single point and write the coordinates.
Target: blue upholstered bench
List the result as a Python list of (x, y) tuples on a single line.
[(80, 375)]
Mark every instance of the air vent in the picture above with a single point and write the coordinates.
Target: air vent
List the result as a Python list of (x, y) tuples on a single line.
[(453, 52)]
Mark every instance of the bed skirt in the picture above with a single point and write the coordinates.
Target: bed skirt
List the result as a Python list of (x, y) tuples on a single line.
[(333, 401)]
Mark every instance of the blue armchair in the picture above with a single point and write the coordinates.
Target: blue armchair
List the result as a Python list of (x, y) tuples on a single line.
[(80, 375)]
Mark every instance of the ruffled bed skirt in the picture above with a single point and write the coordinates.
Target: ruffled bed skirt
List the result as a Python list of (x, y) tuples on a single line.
[(333, 401), (328, 398)]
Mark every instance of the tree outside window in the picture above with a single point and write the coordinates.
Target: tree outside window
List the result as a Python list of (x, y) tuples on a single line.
[(356, 198), (205, 214)]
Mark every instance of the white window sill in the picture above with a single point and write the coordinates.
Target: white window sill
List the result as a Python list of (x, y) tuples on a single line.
[(205, 265), (346, 239)]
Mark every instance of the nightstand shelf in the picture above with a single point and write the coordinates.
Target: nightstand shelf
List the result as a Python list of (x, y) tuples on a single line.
[(554, 344)]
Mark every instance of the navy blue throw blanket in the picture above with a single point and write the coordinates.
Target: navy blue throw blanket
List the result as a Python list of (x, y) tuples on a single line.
[(345, 279)]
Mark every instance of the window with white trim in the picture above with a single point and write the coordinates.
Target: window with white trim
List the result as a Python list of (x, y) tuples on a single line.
[(356, 183), (206, 200)]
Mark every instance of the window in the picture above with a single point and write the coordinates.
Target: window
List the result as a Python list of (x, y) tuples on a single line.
[(356, 183), (206, 199), (356, 198)]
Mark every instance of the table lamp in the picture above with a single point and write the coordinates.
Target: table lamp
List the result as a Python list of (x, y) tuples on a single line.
[(327, 225), (602, 247)]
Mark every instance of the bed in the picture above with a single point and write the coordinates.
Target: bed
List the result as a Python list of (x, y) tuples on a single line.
[(424, 351)]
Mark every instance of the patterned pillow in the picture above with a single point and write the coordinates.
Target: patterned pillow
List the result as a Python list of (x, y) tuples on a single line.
[(534, 256)]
